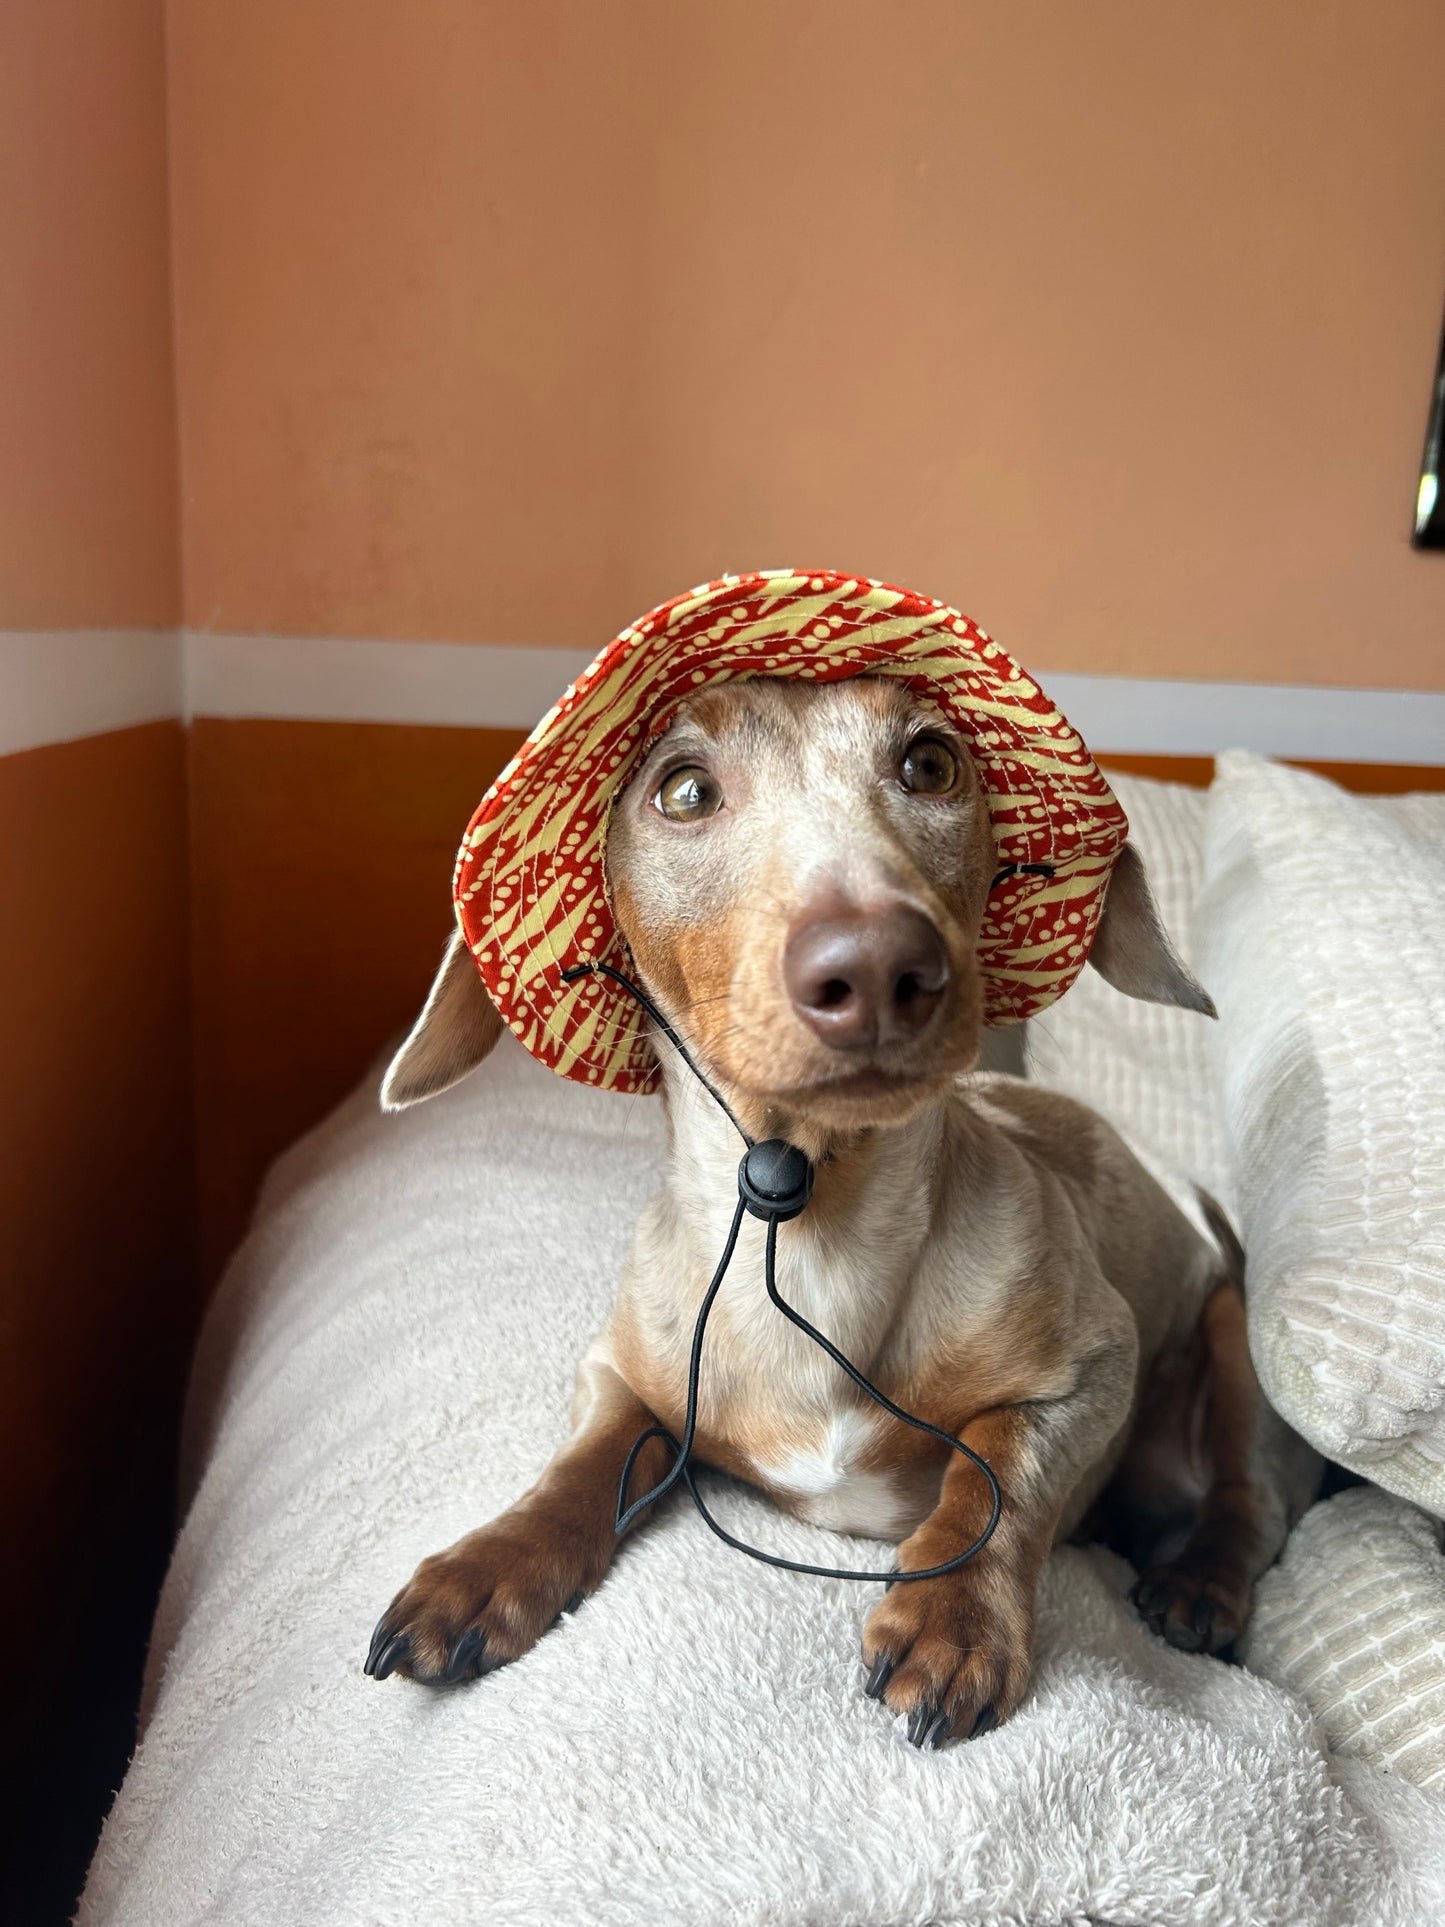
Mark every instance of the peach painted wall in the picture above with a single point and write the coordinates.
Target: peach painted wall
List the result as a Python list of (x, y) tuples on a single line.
[(88, 527), (1113, 323)]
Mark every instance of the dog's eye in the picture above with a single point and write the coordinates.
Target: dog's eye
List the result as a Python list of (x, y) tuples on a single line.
[(687, 795), (929, 768)]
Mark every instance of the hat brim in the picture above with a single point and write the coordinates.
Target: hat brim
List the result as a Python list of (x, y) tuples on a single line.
[(530, 886)]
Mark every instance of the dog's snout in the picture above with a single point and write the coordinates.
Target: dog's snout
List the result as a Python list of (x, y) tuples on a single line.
[(863, 978)]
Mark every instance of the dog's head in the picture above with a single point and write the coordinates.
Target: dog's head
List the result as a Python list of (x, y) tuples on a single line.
[(800, 872)]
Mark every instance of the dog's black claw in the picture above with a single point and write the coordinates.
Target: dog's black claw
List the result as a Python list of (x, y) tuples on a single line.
[(1183, 1639), (391, 1656), (1204, 1617), (577, 1599), (1151, 1601), (459, 1664), (878, 1679), (985, 1723), (378, 1640), (921, 1723), (938, 1732)]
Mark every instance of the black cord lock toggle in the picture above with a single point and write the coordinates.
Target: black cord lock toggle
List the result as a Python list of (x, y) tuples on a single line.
[(775, 1180)]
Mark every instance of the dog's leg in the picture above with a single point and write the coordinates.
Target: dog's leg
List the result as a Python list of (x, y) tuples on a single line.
[(1259, 1477), (956, 1653), (492, 1595)]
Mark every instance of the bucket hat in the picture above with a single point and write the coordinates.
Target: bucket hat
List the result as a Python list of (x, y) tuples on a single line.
[(530, 885)]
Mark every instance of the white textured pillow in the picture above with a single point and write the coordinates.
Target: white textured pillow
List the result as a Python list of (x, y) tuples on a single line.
[(1321, 934)]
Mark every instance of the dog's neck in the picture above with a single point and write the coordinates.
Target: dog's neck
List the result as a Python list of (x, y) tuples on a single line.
[(867, 1182)]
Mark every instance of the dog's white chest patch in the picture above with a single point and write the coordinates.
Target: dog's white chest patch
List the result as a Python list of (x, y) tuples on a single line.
[(832, 1489)]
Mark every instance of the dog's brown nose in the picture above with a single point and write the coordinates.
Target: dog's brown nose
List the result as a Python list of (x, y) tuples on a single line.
[(866, 978)]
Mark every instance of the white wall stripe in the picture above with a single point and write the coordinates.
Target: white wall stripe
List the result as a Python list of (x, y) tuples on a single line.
[(326, 679), (59, 685), (1149, 718)]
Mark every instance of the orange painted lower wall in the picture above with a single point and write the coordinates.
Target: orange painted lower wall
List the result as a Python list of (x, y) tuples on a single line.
[(97, 1291), (321, 866), (321, 861)]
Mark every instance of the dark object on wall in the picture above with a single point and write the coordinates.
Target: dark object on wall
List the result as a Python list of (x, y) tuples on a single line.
[(1430, 503)]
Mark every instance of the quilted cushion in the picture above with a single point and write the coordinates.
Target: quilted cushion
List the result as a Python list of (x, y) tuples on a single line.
[(1321, 934)]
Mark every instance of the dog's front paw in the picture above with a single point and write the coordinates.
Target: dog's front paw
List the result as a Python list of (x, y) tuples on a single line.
[(953, 1654), (485, 1601)]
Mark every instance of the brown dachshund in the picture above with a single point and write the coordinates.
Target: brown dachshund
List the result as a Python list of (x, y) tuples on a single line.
[(800, 872)]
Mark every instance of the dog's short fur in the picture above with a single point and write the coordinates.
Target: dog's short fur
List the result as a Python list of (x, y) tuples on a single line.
[(989, 1253)]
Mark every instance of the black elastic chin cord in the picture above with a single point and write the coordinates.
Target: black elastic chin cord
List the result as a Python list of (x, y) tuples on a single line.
[(636, 990), (775, 1182)]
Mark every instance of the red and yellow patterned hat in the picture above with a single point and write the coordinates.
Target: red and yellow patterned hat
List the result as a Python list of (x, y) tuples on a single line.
[(530, 889)]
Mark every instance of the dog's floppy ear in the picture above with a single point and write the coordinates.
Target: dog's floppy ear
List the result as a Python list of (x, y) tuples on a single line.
[(458, 1026), (1132, 950)]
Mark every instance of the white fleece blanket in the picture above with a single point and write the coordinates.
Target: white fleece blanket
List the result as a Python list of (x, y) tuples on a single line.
[(388, 1364)]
